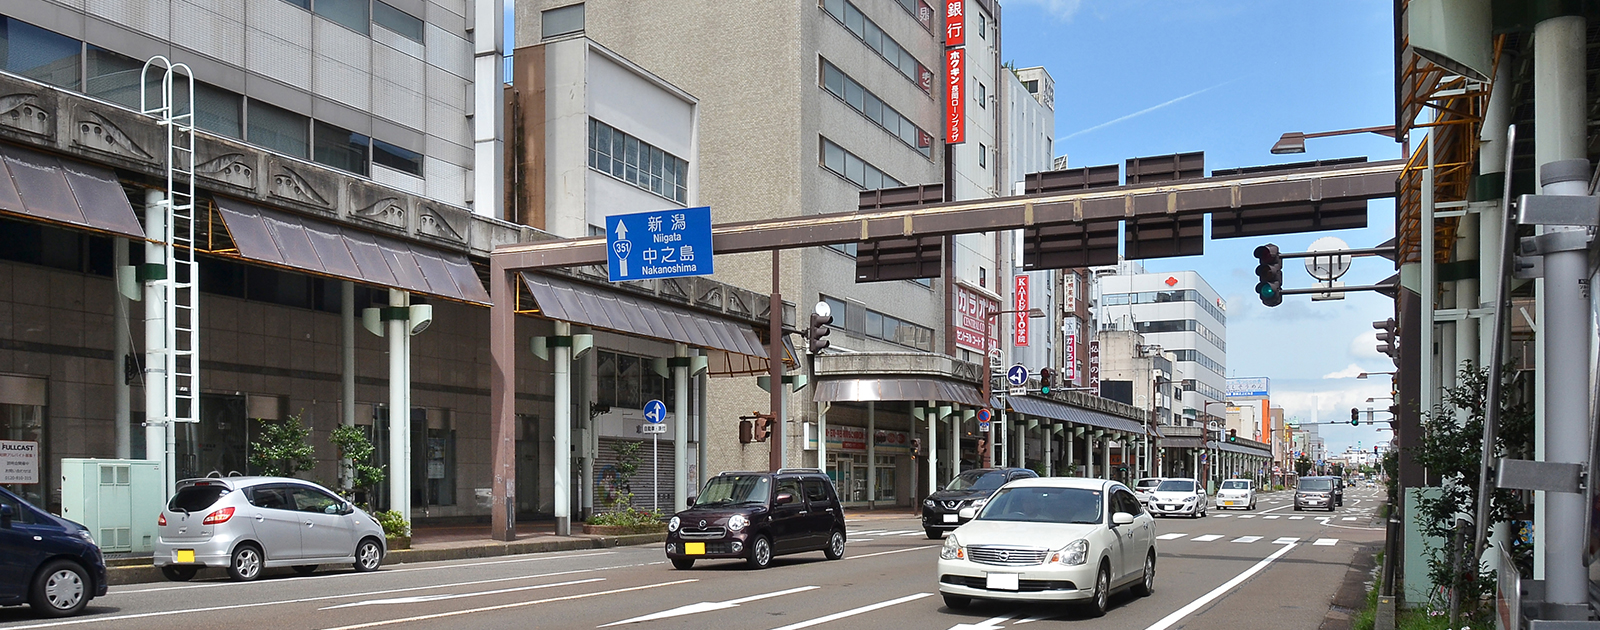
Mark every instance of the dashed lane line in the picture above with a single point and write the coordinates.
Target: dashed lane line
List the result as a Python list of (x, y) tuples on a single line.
[(1285, 541), (1170, 536), (1325, 542), (1206, 538), (841, 615), (1179, 614), (469, 611)]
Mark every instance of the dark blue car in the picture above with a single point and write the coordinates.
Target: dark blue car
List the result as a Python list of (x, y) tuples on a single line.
[(47, 562)]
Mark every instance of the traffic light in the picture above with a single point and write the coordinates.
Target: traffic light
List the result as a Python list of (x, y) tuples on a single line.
[(817, 335), (1233, 435), (1047, 379), (1270, 272), (755, 428), (1355, 417), (1388, 338)]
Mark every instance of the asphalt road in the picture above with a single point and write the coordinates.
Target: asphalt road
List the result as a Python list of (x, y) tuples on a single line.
[(1271, 568)]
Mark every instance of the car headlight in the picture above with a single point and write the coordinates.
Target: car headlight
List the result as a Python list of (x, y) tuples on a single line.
[(672, 525), (1188, 499), (737, 522), (978, 504), (952, 549), (927, 502), (1073, 554), (86, 536)]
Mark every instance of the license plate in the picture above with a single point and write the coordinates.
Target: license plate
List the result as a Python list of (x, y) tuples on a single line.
[(185, 556), (951, 518), (694, 549), (1001, 582), (1230, 503)]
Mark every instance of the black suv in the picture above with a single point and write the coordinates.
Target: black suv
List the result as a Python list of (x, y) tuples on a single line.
[(759, 515), (941, 511)]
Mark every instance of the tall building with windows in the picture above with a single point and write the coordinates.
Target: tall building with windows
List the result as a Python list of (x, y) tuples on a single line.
[(1185, 317)]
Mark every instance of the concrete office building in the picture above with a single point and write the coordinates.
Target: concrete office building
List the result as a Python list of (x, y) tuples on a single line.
[(1181, 313)]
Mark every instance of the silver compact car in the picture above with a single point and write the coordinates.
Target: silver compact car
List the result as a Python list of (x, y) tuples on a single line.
[(247, 524), (1051, 539)]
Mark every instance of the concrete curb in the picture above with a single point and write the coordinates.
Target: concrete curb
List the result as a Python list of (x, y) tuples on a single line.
[(123, 571)]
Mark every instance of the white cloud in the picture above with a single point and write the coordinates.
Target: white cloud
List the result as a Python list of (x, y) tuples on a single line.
[(1365, 346), (1062, 10), (1350, 371)]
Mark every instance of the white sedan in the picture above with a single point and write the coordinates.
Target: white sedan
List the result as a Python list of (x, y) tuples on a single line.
[(1178, 497), (1051, 539), (1236, 493)]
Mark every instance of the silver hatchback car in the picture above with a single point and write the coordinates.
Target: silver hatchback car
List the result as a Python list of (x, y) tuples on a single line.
[(247, 524)]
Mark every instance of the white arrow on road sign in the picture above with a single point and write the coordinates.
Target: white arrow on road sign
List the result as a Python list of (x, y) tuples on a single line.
[(655, 412), (1017, 375), (707, 606)]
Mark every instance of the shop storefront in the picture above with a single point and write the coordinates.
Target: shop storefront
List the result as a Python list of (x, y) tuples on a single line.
[(850, 464)]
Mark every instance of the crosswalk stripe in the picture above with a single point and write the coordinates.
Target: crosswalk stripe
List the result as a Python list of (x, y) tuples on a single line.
[(1246, 539), (1296, 518), (1348, 518), (1325, 542), (1285, 541), (1170, 536), (869, 532), (1221, 515), (906, 534), (1247, 516), (1270, 517), (899, 532), (1207, 537)]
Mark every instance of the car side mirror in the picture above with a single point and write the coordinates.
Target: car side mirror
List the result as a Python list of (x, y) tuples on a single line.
[(691, 502), (968, 512), (783, 498), (1121, 518)]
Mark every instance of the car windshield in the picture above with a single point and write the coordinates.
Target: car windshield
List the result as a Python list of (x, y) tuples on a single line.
[(1176, 485), (733, 489), (195, 498), (1044, 505), (977, 480), (1146, 484), (1237, 484), (1316, 485)]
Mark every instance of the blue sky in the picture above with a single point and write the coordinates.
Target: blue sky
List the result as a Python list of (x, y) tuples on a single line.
[(1152, 77)]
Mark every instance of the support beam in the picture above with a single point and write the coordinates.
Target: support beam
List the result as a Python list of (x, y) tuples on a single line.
[(347, 370), (398, 333), (121, 345), (680, 427), (872, 454), (156, 425), (561, 469)]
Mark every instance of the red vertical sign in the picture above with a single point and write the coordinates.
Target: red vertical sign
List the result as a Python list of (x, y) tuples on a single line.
[(954, 23), (956, 105), (1020, 304)]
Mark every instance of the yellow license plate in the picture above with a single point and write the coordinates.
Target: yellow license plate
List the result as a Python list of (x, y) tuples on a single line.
[(694, 549), (185, 556)]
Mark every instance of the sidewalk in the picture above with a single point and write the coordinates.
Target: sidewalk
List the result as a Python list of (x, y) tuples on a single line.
[(429, 543)]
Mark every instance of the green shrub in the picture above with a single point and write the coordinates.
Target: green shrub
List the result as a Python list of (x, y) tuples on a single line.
[(393, 523), (627, 517), (284, 448)]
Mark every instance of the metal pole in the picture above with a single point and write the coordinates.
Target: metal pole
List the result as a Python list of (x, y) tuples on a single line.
[(702, 408), (1049, 455), (561, 360), (155, 340), (775, 367), (680, 428), (655, 473), (121, 346)]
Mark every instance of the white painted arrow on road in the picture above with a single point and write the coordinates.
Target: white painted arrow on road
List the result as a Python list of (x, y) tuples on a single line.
[(707, 606)]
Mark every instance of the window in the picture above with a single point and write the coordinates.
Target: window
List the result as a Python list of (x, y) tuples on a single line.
[(561, 21), (304, 4), (983, 156), (816, 491), (879, 326), (874, 37), (1154, 297), (279, 129), (400, 22), (920, 11), (39, 54), (983, 277), (115, 77), (637, 162), (983, 95), (353, 14), (848, 166), (403, 160), (625, 381), (217, 110), (314, 501), (857, 97), (837, 307), (983, 25), (341, 148)]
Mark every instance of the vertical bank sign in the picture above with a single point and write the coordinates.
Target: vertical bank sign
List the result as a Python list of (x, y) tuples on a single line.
[(1020, 304), (955, 71)]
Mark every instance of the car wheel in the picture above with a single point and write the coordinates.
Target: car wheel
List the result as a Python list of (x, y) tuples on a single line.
[(61, 589), (835, 548), (955, 602), (760, 553), (1096, 606), (179, 573), (1148, 585), (369, 556), (305, 569), (245, 564), (933, 534), (1297, 508), (683, 564)]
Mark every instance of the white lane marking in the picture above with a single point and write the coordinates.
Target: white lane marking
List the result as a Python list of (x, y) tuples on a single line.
[(708, 606), (856, 540), (1285, 507), (1285, 541), (454, 613), (906, 534), (1033, 619), (1270, 517), (1179, 614), (434, 598), (1246, 539), (386, 571), (849, 613), (1170, 536), (1297, 518), (992, 623), (1348, 518), (1247, 516), (901, 531), (885, 553), (1325, 542), (1206, 538), (302, 600), (1221, 515)]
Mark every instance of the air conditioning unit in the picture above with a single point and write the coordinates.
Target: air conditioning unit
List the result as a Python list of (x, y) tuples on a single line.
[(118, 500)]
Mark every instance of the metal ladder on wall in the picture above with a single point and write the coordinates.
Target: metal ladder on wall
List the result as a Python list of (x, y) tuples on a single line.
[(175, 111)]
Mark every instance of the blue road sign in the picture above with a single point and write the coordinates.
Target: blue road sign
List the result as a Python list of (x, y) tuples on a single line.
[(655, 412), (659, 244), (984, 415), (1017, 375)]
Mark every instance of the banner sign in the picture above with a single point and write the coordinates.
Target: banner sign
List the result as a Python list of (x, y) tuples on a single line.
[(19, 462), (955, 23), (1072, 359), (1069, 299), (970, 308), (854, 439), (1020, 304), (1094, 365), (1248, 387), (955, 99)]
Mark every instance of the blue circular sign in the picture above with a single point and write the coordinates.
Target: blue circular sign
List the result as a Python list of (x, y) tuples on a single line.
[(655, 412), (1017, 375), (984, 415)]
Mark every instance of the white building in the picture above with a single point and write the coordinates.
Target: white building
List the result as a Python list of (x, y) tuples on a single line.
[(1181, 313)]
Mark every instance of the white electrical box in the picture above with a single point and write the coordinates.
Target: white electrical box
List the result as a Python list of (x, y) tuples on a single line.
[(119, 501)]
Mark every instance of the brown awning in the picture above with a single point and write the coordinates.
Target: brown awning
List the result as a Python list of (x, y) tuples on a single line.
[(596, 307), (324, 248), (41, 186), (1067, 413), (897, 389)]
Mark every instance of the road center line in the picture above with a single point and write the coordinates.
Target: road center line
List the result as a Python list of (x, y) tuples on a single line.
[(457, 613), (1179, 614), (838, 615), (885, 553)]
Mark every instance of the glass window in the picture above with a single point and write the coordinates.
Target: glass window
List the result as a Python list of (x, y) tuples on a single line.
[(1044, 505), (977, 480), (304, 4), (561, 21), (341, 148), (874, 324), (25, 423), (606, 377), (38, 54), (869, 105), (196, 498), (349, 13), (733, 489), (396, 20), (434, 465), (313, 500), (114, 77), (19, 512), (403, 160), (217, 110), (279, 129), (816, 491), (880, 42), (637, 162), (269, 497), (983, 156), (1176, 485)]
